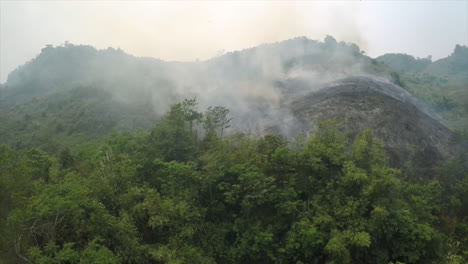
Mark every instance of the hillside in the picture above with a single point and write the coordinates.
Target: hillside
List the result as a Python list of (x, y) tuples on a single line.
[(442, 83), (79, 94), (404, 62), (249, 82), (182, 195), (67, 118), (293, 152), (408, 131)]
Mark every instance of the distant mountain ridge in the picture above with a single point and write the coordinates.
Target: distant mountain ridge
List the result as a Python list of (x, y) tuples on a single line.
[(69, 66), (455, 63)]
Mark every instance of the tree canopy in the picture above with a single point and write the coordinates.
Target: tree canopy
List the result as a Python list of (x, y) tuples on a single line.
[(187, 193)]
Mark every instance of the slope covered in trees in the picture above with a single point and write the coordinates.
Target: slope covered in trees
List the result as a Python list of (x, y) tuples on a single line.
[(67, 118), (181, 193), (442, 83), (100, 166)]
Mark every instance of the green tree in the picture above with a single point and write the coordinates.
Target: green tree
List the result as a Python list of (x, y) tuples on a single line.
[(216, 120)]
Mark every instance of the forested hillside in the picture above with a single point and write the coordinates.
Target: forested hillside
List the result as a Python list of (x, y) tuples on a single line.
[(67, 118), (299, 151), (182, 193), (442, 83)]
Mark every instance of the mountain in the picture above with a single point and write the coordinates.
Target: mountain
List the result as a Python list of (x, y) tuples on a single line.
[(249, 82), (326, 156), (69, 66), (71, 94)]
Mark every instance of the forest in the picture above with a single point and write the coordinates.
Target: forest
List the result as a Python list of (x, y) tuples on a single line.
[(185, 191), (233, 132)]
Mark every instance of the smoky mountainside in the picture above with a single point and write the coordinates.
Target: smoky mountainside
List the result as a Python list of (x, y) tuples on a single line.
[(73, 94), (405, 125), (101, 91)]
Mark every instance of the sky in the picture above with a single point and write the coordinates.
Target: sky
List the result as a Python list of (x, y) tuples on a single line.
[(187, 31)]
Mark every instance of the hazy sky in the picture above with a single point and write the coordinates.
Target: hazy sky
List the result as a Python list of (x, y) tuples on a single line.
[(200, 30)]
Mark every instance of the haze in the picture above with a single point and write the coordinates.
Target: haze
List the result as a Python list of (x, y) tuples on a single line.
[(188, 31)]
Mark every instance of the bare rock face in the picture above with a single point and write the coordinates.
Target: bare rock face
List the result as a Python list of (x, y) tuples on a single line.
[(408, 131)]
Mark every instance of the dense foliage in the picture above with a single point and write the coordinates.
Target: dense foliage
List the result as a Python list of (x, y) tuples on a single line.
[(183, 193), (68, 118)]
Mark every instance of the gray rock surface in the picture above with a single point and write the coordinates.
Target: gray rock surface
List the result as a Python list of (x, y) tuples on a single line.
[(408, 131)]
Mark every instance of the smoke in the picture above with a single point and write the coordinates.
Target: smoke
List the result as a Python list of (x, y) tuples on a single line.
[(256, 84), (173, 31)]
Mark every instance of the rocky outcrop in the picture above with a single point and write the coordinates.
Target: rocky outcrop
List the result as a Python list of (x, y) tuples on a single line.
[(408, 131)]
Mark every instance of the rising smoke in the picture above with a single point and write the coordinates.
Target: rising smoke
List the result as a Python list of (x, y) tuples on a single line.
[(254, 84)]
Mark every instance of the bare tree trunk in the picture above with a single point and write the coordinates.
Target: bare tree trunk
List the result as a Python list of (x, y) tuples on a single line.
[(17, 245)]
